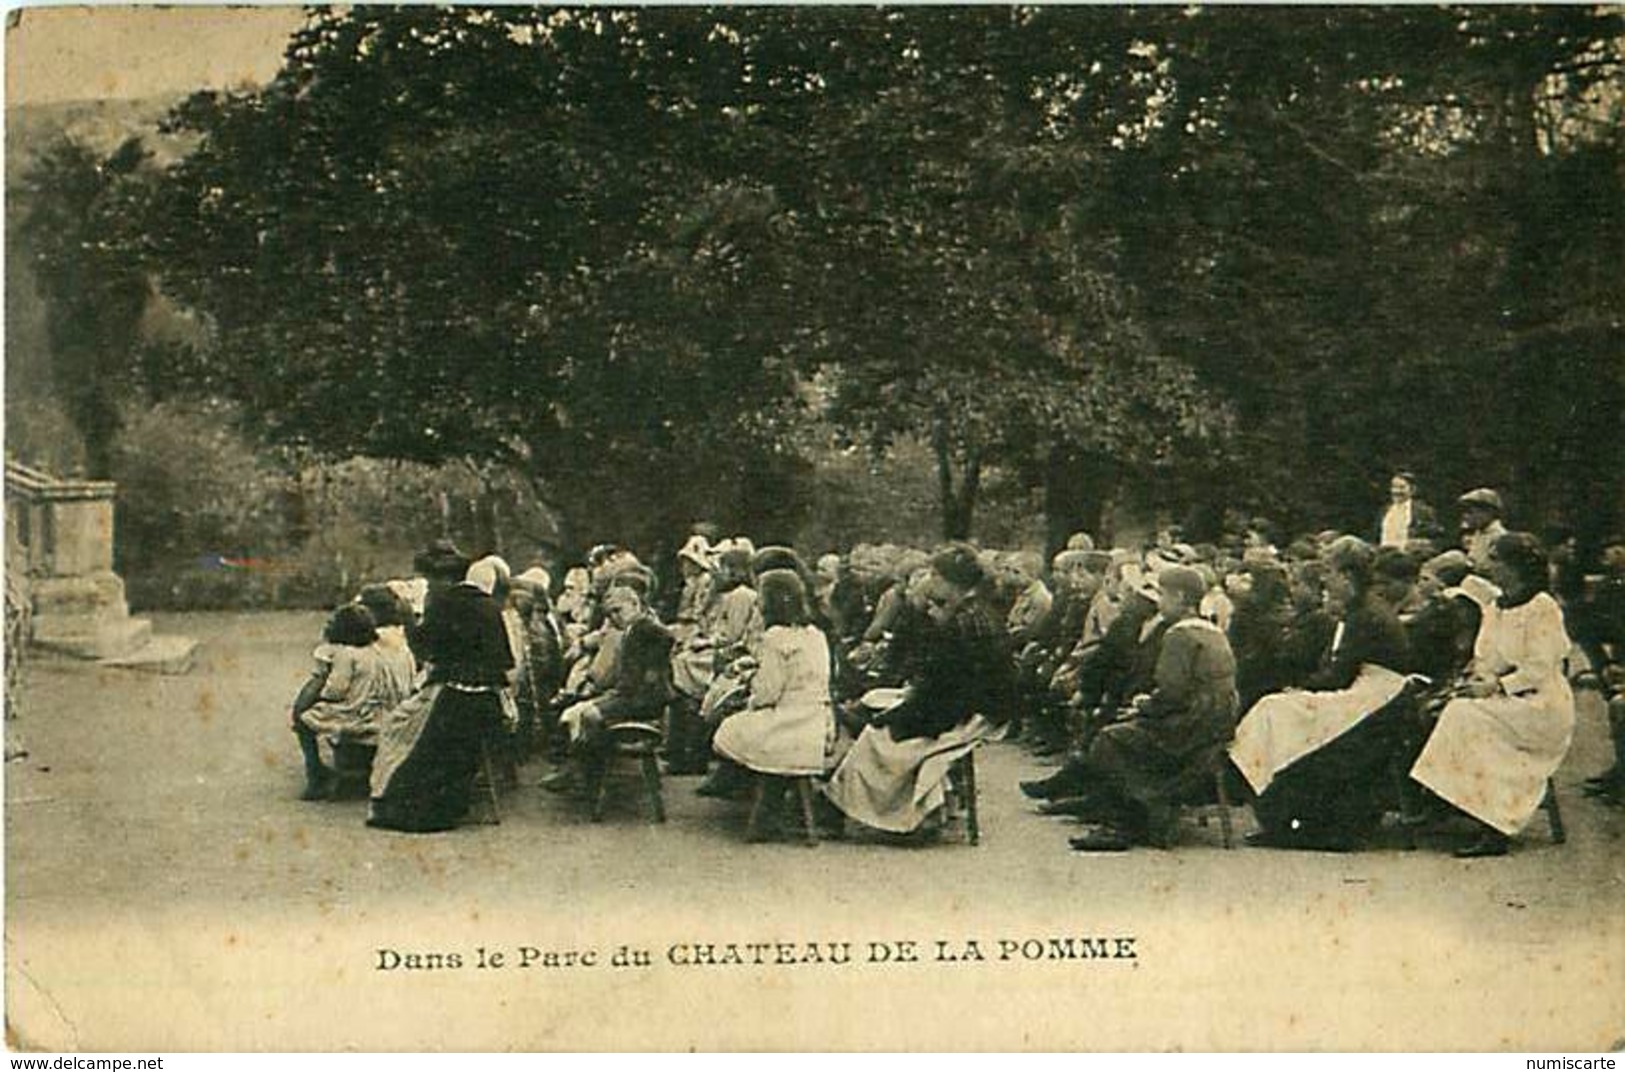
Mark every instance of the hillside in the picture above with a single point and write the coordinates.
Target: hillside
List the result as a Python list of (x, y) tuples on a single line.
[(36, 428), (101, 124)]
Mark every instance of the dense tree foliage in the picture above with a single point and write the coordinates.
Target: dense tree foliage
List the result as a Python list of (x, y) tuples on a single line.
[(1195, 257), (78, 215)]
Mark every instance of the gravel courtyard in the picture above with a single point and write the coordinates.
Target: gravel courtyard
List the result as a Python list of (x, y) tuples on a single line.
[(166, 890)]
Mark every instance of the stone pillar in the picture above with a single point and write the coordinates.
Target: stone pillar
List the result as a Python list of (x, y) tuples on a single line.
[(62, 533)]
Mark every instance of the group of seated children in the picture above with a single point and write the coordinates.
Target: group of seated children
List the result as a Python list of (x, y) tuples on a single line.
[(1338, 680)]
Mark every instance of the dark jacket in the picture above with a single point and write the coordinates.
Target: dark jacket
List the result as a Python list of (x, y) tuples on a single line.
[(1441, 636), (1193, 703), (1371, 634), (1424, 522), (462, 639), (1121, 663), (1258, 636), (642, 684), (964, 670)]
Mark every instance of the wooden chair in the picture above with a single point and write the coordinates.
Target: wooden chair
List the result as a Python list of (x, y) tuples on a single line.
[(961, 796), (352, 767), (1554, 814), (767, 793), (1215, 765), (638, 742)]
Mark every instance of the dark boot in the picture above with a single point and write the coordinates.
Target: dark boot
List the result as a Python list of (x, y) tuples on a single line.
[(1067, 782), (319, 780), (830, 819), (1102, 839), (1490, 842), (726, 781), (687, 742)]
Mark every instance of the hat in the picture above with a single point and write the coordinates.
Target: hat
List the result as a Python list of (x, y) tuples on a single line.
[(1184, 580), (535, 577), (640, 580), (500, 564), (1080, 541), (1162, 558), (958, 564), (697, 550), (441, 559), (777, 557), (415, 591), (1449, 567), (482, 575), (1141, 581), (1488, 498)]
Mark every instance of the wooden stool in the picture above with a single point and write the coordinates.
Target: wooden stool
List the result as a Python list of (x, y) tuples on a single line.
[(761, 799), (635, 741), (352, 767)]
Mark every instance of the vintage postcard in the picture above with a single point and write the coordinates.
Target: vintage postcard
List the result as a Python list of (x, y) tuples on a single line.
[(814, 528)]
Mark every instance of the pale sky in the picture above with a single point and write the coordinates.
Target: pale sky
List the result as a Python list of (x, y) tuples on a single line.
[(76, 53)]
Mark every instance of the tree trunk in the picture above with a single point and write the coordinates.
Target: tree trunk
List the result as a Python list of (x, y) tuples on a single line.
[(1076, 489), (958, 503)]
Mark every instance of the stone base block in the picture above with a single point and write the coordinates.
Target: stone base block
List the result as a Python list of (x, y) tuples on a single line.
[(98, 595), (165, 654), (86, 637)]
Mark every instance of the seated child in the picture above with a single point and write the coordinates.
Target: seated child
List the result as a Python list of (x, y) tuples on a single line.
[(353, 680)]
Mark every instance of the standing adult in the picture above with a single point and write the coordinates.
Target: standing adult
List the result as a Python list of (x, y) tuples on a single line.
[(1406, 518), (1481, 525)]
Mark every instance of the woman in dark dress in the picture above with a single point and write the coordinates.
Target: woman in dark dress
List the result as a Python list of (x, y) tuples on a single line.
[(429, 746), (892, 778), (1315, 756)]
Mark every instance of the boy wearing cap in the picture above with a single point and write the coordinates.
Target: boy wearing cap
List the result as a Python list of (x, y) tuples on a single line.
[(1480, 525), (1141, 764)]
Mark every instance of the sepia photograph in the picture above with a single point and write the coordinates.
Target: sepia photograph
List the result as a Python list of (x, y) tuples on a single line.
[(814, 528)]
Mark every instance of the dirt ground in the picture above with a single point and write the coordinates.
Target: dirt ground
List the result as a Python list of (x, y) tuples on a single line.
[(166, 890)]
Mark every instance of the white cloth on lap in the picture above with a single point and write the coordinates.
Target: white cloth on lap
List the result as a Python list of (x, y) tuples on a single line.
[(894, 785), (1286, 726)]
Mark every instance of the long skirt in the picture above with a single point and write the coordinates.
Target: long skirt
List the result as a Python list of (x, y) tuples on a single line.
[(1335, 796), (428, 753), (894, 785), (1284, 727), (1133, 759), (1491, 757), (693, 671), (787, 740)]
